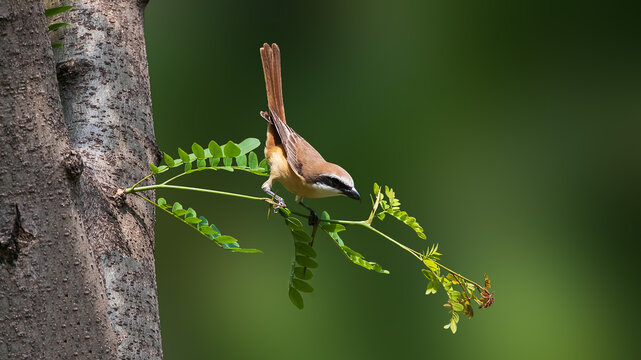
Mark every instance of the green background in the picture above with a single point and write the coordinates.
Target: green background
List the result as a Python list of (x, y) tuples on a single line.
[(509, 129)]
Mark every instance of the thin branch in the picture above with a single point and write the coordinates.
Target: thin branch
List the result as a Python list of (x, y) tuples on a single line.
[(216, 168), (217, 192), (375, 207), (364, 223), (458, 275), (143, 179)]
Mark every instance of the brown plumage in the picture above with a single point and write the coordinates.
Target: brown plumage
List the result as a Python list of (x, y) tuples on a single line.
[(293, 161)]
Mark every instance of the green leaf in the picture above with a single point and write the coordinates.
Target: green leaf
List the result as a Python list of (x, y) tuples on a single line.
[(393, 201), (433, 251), (161, 201), (305, 261), (213, 162), (430, 264), (454, 294), (451, 325), (452, 278), (204, 222), (432, 287), (198, 150), (337, 239), (215, 229), (324, 216), (301, 236), (154, 168), (296, 298), (215, 150), (246, 251), (183, 156), (226, 239), (231, 150), (163, 168), (176, 207), (227, 162), (201, 163), (294, 223), (470, 287), (187, 167), (248, 145), (352, 255), (358, 259), (263, 164), (456, 306), (304, 249), (302, 286), (56, 26), (302, 273), (169, 160), (253, 161), (180, 212), (333, 227), (192, 220), (377, 189), (57, 10), (241, 160), (207, 230)]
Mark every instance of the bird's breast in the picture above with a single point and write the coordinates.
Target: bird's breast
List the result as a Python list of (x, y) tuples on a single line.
[(281, 171)]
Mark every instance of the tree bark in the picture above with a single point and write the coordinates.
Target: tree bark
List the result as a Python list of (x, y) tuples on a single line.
[(77, 275)]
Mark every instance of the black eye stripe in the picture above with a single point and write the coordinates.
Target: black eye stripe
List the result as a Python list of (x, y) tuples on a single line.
[(332, 182)]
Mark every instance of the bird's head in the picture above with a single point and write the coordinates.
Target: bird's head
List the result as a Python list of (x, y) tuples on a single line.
[(336, 181)]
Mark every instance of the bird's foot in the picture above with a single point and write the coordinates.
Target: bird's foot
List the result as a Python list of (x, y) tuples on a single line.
[(278, 203), (312, 220)]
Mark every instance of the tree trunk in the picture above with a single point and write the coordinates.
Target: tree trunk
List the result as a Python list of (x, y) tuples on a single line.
[(77, 274)]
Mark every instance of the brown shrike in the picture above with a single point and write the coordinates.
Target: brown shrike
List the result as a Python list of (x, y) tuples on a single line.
[(293, 161)]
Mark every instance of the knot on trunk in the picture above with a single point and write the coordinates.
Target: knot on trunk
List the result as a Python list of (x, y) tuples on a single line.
[(73, 164), (71, 70)]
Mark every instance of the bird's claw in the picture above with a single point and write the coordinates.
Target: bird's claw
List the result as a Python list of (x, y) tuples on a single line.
[(278, 203)]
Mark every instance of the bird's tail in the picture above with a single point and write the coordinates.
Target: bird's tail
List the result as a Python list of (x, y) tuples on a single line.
[(273, 82)]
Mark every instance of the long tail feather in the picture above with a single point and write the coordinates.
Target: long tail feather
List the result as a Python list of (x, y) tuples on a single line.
[(273, 82)]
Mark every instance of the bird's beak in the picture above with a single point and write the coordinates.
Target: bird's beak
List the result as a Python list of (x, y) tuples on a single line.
[(352, 193)]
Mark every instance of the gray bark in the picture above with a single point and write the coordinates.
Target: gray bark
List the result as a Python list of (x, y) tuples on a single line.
[(77, 277)]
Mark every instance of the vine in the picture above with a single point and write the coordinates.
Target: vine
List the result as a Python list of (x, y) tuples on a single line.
[(241, 157)]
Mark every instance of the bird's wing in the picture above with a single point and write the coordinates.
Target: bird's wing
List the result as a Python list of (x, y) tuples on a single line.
[(297, 149)]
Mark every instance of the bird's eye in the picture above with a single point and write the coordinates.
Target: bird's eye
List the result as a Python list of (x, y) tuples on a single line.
[(332, 182)]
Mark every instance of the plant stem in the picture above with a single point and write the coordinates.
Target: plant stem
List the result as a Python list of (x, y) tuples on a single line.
[(463, 285), (216, 168), (143, 179), (410, 250), (458, 275), (177, 187), (364, 223), (374, 208)]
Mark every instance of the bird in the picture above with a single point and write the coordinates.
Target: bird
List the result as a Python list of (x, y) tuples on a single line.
[(293, 162)]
